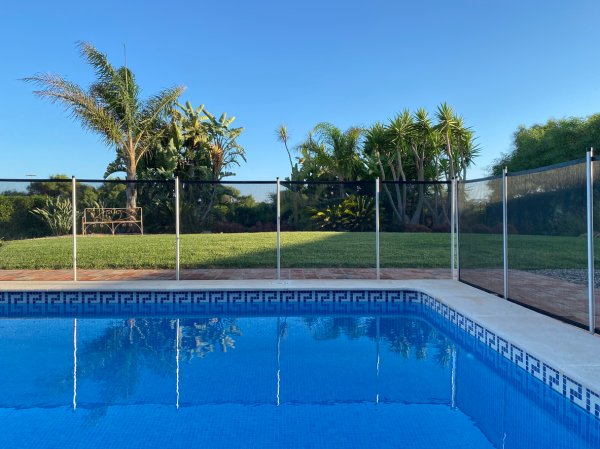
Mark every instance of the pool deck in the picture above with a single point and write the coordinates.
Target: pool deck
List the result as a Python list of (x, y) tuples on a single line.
[(572, 350)]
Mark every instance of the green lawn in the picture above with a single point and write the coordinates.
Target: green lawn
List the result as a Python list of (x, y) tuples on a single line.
[(299, 249), (252, 250)]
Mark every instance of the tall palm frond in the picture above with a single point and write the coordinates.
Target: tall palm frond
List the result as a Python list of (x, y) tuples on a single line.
[(112, 108)]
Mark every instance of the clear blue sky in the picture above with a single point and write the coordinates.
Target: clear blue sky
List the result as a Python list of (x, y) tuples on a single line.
[(499, 63)]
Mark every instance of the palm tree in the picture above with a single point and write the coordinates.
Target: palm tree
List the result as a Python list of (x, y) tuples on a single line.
[(284, 137), (112, 108), (467, 149), (449, 126), (401, 132), (421, 145), (341, 151), (379, 148)]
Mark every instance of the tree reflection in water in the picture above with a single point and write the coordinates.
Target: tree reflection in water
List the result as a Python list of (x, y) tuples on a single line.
[(200, 337), (116, 358), (403, 334)]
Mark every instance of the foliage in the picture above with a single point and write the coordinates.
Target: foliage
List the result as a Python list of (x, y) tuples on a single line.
[(196, 146), (112, 108), (354, 213), (59, 185), (15, 220), (550, 143), (332, 154), (57, 213), (408, 147)]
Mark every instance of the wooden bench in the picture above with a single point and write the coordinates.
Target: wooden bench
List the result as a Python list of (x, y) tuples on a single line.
[(112, 218)]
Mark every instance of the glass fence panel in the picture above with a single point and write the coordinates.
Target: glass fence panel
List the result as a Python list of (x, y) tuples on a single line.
[(228, 230), (126, 230), (547, 241), (415, 239), (35, 230), (596, 218), (481, 254), (328, 230)]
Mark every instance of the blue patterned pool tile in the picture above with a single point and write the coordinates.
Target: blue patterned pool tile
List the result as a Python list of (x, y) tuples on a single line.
[(490, 340), (574, 391), (480, 333), (518, 357), (453, 317), (338, 296), (460, 320), (470, 326), (235, 297), (197, 297), (218, 297), (109, 298), (182, 298), (16, 297), (552, 378), (163, 297), (304, 296), (35, 298), (412, 296), (253, 296), (592, 402), (88, 297), (126, 297), (504, 347), (144, 297), (376, 295), (534, 366), (357, 296), (321, 296)]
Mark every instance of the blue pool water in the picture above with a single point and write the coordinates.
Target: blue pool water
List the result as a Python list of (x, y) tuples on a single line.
[(403, 381)]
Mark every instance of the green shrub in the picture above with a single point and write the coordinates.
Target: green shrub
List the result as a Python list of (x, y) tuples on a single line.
[(354, 213), (57, 213), (16, 221)]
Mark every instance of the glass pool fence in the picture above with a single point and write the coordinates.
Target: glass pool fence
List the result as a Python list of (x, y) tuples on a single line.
[(526, 236), (529, 237), (186, 229)]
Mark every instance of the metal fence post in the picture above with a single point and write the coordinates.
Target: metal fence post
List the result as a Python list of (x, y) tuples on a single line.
[(505, 230), (590, 238), (177, 228), (278, 229), (74, 225), (456, 230), (452, 225), (377, 263)]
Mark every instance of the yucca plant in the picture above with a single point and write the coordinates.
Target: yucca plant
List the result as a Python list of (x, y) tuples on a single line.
[(57, 214)]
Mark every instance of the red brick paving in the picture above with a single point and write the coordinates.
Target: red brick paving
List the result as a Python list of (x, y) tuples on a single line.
[(224, 274), (556, 296)]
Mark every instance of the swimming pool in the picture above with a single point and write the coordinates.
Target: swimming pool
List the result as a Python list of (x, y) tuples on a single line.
[(247, 369)]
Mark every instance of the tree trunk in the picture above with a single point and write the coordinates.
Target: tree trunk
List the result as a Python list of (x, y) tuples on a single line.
[(209, 206), (416, 218), (131, 189)]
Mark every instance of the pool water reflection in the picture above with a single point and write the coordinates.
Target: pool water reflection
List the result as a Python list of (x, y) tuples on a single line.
[(314, 381)]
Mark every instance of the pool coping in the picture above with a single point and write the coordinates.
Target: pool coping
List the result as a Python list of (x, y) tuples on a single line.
[(564, 357)]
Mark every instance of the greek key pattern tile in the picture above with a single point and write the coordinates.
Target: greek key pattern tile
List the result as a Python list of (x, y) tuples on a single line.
[(71, 303), (559, 382)]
